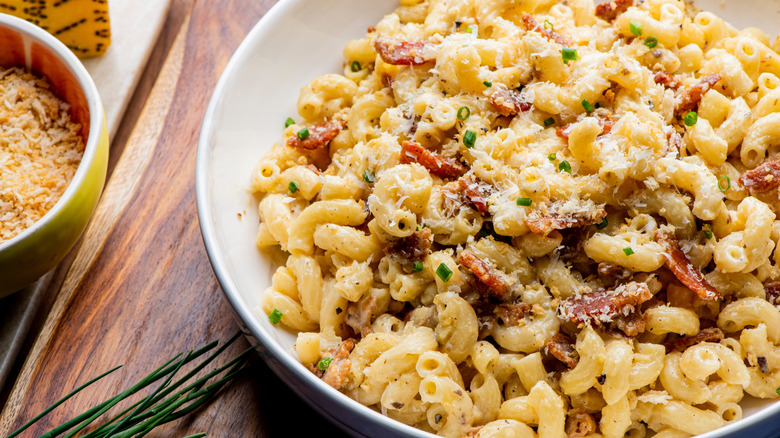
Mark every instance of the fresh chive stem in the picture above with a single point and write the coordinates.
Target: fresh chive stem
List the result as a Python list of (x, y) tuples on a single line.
[(155, 409), (60, 401)]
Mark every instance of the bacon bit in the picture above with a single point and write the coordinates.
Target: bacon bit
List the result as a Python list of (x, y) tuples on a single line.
[(674, 142), (604, 306), (772, 290), (763, 178), (565, 130), (491, 281), (632, 325), (668, 80), (509, 102), (371, 29), (712, 334), (579, 424), (683, 269), (442, 167), (561, 347), (552, 221), (613, 272), (689, 98), (359, 315), (413, 248), (610, 10), (397, 52), (319, 135), (474, 193), (530, 23), (336, 374), (511, 314)]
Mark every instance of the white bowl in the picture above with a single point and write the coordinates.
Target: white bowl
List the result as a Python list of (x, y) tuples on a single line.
[(295, 42)]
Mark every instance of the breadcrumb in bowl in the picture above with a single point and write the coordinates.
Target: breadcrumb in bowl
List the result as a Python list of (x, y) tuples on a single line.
[(53, 152)]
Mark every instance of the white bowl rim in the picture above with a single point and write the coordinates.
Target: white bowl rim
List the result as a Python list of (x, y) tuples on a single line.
[(245, 313), (95, 118)]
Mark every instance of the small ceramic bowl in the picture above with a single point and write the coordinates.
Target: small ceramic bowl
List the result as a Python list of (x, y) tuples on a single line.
[(38, 249)]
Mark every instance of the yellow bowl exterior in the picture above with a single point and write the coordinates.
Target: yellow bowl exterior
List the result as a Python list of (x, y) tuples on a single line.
[(38, 253)]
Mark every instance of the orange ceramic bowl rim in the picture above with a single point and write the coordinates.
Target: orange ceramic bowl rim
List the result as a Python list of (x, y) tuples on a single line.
[(46, 56)]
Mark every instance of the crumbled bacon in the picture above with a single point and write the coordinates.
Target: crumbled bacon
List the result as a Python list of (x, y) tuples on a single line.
[(509, 102), (561, 347), (511, 314), (491, 281), (772, 290), (683, 269), (337, 371), (604, 306), (475, 193), (674, 142), (668, 80), (579, 424), (712, 334), (319, 135), (565, 130), (359, 315), (544, 224), (442, 167), (414, 247), (611, 9), (763, 178), (632, 325), (530, 23), (689, 98), (397, 52)]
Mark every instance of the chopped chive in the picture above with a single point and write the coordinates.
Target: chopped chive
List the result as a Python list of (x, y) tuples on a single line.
[(444, 272), (289, 122), (355, 67), (293, 186), (603, 224), (723, 187), (368, 176), (525, 202), (324, 363), (303, 134), (588, 107), (548, 25), (464, 113), (707, 231), (777, 391), (628, 251), (275, 316), (651, 42), (569, 55), (564, 166), (417, 266), (469, 138), (469, 30), (691, 118), (487, 84), (551, 157), (549, 122), (635, 28)]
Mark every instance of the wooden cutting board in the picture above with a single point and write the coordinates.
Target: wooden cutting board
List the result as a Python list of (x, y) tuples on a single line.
[(135, 26)]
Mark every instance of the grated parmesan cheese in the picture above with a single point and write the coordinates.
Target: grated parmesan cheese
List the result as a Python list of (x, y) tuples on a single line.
[(40, 150)]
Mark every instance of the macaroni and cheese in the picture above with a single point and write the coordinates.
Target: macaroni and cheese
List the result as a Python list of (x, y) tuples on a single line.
[(535, 218)]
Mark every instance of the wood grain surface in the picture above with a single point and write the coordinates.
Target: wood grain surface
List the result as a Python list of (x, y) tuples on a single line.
[(140, 288)]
